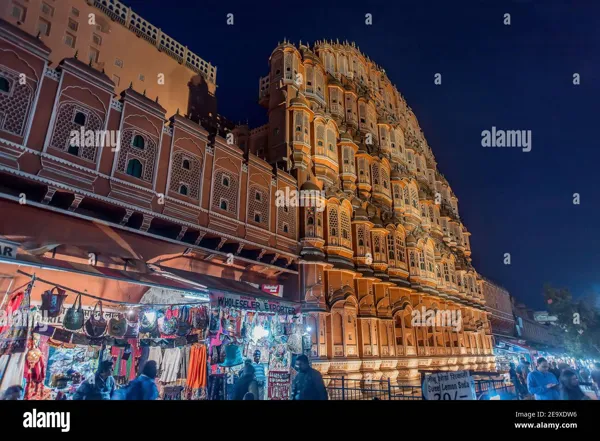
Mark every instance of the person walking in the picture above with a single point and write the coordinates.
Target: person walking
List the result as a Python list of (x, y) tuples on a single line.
[(99, 387), (520, 389), (542, 383), (569, 387), (259, 372), (12, 393), (144, 386), (245, 383), (596, 375), (308, 384), (523, 370), (554, 369)]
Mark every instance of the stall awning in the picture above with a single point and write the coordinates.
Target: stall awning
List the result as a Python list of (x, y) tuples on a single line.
[(47, 266)]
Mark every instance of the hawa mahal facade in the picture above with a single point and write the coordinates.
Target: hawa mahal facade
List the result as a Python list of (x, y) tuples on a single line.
[(389, 240)]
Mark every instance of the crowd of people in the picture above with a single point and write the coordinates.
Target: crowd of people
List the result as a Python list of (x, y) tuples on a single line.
[(249, 384), (552, 380)]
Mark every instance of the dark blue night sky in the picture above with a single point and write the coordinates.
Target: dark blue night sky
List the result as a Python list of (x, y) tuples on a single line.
[(517, 77)]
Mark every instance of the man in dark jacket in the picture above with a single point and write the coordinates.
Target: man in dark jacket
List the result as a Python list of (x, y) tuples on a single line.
[(144, 386), (308, 384), (99, 387)]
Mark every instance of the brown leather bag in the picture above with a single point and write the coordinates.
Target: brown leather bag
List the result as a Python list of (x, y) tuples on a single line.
[(95, 326), (117, 326)]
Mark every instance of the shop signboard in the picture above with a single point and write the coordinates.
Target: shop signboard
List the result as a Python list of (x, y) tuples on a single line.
[(222, 300), (457, 385), (276, 290), (279, 385), (8, 250)]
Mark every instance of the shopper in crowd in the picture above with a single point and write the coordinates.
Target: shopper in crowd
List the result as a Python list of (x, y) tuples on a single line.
[(520, 389), (144, 386), (261, 378), (99, 387), (308, 384), (584, 374), (596, 375), (542, 383), (554, 369), (523, 370), (569, 387), (13, 393), (245, 383)]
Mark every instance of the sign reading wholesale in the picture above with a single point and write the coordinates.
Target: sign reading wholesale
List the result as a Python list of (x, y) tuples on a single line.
[(457, 385), (254, 304)]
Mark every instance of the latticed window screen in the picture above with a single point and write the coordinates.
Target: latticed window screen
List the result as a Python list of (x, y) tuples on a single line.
[(288, 66), (446, 272), (422, 260), (298, 126), (320, 149), (228, 193), (286, 218), (413, 260), (375, 174), (391, 253), (385, 181), (188, 176), (406, 196), (333, 223), (398, 199), (14, 104), (146, 156), (360, 233), (414, 196), (306, 128), (65, 123), (331, 145), (400, 249), (258, 203), (430, 259), (364, 175), (310, 79), (346, 228), (320, 83)]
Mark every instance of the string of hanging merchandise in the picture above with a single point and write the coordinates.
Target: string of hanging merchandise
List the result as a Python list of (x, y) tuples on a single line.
[(103, 300)]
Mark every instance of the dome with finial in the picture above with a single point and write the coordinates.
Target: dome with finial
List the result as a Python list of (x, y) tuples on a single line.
[(309, 185)]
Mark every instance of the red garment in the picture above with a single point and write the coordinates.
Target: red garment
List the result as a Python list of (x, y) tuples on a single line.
[(12, 305)]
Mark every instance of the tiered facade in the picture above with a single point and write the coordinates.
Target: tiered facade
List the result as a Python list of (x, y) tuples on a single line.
[(390, 240)]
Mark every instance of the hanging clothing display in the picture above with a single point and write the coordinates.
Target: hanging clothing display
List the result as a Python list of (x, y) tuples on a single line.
[(170, 365), (13, 374), (197, 368)]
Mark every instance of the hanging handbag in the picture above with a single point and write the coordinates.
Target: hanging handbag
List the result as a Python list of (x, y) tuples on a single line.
[(52, 302), (133, 324), (167, 325), (74, 317), (95, 327), (117, 326), (184, 325), (148, 323)]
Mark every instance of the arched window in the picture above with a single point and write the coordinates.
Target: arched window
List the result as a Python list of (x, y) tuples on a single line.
[(186, 164), (257, 218), (310, 221), (79, 118), (4, 85), (224, 205), (285, 228), (225, 181), (138, 142), (183, 190), (134, 168)]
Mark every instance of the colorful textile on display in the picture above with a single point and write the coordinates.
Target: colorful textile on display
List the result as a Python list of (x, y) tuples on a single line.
[(13, 338)]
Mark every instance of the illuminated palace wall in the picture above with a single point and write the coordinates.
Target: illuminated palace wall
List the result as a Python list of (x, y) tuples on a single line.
[(390, 240)]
